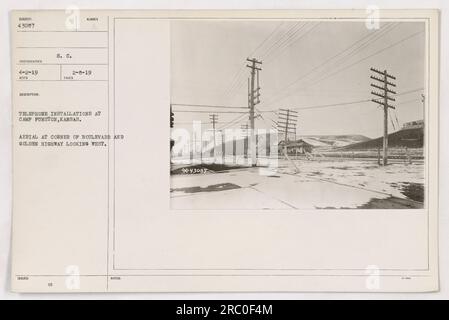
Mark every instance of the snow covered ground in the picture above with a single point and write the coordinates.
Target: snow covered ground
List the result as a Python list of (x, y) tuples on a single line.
[(391, 179), (317, 185), (249, 190)]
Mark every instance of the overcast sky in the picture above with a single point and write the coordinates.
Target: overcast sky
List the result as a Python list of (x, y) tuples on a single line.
[(305, 65)]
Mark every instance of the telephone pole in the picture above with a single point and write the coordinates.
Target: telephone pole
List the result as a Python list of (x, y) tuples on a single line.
[(383, 84), (214, 119), (244, 128), (253, 99), (286, 124)]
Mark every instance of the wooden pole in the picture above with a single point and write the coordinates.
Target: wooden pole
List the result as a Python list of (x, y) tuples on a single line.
[(385, 142)]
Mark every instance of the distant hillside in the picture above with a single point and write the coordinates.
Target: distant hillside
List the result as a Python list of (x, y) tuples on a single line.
[(334, 140), (411, 138), (317, 141)]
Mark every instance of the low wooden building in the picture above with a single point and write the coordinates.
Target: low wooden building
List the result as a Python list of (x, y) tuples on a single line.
[(295, 147)]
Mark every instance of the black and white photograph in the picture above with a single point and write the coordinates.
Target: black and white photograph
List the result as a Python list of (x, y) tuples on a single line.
[(229, 152), (298, 114)]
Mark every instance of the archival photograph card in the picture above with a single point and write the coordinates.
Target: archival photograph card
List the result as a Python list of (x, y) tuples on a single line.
[(225, 151), (319, 141)]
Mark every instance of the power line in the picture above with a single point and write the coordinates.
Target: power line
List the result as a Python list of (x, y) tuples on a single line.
[(201, 111), (331, 105), (204, 106), (360, 47), (281, 41), (363, 59), (241, 71), (234, 121), (408, 101), (326, 62), (410, 91), (202, 122), (285, 41), (350, 54), (285, 38), (271, 56), (346, 103), (266, 39), (281, 37), (367, 57)]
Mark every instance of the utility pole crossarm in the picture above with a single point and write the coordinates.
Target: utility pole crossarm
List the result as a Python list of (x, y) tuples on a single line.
[(383, 81), (255, 68), (382, 103), (383, 73), (382, 95), (381, 88), (294, 115), (288, 110), (254, 60)]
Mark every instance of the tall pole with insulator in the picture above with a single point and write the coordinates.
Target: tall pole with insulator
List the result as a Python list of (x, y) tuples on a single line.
[(253, 99), (383, 83)]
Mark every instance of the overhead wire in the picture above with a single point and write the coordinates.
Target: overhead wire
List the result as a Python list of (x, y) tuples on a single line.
[(356, 47), (237, 78), (282, 41)]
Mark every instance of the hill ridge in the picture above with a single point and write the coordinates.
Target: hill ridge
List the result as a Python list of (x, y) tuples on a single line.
[(411, 138)]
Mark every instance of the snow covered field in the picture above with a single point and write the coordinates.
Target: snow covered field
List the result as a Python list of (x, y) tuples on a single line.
[(396, 179), (325, 184)]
